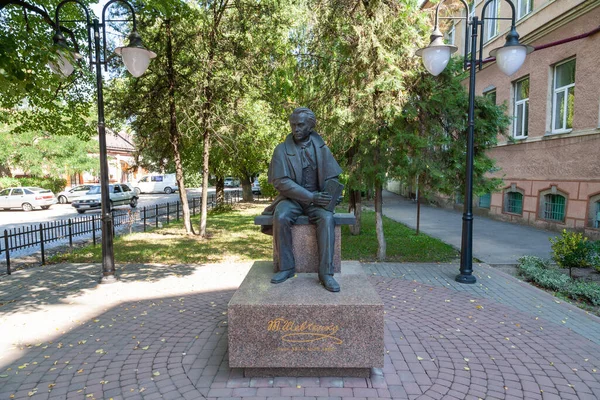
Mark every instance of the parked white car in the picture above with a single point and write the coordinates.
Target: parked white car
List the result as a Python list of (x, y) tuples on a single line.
[(161, 183), (120, 194), (68, 195), (231, 182), (26, 198)]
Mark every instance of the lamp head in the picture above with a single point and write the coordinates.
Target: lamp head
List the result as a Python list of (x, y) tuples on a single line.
[(511, 56), (63, 65), (135, 56), (437, 54)]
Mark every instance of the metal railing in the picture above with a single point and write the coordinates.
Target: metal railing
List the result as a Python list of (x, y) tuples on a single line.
[(64, 231)]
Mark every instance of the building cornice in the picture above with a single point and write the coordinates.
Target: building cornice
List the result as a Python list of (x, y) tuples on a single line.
[(559, 21), (550, 136)]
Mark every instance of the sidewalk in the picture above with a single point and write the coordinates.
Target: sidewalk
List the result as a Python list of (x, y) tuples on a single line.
[(161, 333), (494, 242)]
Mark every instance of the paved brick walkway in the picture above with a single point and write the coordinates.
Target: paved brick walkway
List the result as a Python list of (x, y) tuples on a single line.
[(161, 333)]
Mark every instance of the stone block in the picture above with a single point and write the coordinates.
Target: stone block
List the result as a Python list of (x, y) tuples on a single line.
[(299, 325), (304, 236)]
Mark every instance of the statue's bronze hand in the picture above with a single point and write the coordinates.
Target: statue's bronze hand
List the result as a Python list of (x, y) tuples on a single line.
[(321, 199)]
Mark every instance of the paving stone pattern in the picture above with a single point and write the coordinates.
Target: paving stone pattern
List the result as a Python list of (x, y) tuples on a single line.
[(166, 338)]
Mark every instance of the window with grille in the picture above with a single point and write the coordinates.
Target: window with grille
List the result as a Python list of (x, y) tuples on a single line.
[(485, 201), (490, 95), (524, 7), (514, 203), (563, 97), (554, 207), (521, 109), (594, 212)]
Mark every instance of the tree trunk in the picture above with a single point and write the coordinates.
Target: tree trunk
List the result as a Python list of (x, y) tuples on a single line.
[(247, 195), (220, 191), (418, 196), (205, 176), (174, 135), (355, 206), (381, 248)]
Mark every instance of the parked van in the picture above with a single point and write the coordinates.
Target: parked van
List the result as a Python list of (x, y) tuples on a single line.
[(156, 183)]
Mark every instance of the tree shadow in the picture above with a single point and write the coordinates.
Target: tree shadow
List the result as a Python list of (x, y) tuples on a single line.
[(31, 289)]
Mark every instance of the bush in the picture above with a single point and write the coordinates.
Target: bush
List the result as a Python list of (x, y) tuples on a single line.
[(6, 182), (54, 184), (593, 256), (536, 270), (266, 189), (570, 250), (586, 291)]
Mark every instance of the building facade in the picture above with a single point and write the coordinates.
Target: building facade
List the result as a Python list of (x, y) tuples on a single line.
[(550, 159)]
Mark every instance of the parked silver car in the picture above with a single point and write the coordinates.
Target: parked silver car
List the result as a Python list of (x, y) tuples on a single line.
[(120, 194), (68, 195), (26, 198)]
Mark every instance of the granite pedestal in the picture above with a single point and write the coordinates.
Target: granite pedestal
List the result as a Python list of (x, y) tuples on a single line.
[(297, 328), (304, 236)]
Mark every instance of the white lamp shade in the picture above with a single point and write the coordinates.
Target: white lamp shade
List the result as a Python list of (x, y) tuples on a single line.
[(136, 59), (63, 66), (510, 58), (435, 59)]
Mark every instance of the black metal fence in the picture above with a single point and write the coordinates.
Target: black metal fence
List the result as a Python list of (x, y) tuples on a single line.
[(64, 231)]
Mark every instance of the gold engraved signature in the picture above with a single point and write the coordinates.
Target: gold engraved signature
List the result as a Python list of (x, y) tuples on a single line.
[(304, 332)]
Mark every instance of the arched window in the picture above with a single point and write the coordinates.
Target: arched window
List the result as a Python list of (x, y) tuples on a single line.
[(594, 212), (553, 205), (513, 200)]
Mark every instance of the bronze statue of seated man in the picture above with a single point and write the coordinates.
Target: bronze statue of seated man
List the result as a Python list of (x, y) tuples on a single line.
[(301, 169)]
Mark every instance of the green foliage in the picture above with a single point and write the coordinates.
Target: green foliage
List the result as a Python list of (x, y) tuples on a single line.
[(32, 97), (432, 135), (6, 182), (535, 269), (266, 189), (593, 256), (402, 243), (54, 184), (570, 250), (193, 179), (40, 154)]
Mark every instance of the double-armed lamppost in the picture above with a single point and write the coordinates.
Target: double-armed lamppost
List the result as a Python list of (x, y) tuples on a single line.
[(136, 59), (509, 59)]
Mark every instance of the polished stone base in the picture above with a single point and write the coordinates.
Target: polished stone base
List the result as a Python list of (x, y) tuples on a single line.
[(298, 324)]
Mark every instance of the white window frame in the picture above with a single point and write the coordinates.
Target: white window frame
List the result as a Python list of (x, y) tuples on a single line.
[(516, 104), (528, 9), (451, 35), (468, 27), (491, 25), (555, 92)]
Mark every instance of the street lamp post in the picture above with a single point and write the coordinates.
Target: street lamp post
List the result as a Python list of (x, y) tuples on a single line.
[(136, 59), (509, 58)]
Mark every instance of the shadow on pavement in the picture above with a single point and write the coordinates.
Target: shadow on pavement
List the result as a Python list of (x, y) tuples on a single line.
[(28, 290)]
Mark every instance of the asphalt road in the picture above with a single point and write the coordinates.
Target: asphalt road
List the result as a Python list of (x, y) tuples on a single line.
[(18, 218)]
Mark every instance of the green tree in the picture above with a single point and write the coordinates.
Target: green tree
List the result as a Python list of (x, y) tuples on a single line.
[(355, 58), (32, 97), (430, 135), (47, 155)]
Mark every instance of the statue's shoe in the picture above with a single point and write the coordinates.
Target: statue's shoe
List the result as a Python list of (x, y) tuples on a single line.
[(283, 276), (330, 283)]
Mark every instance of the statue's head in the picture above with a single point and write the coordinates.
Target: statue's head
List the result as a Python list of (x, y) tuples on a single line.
[(302, 122)]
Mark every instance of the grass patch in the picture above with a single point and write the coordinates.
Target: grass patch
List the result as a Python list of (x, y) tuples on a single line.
[(402, 245), (233, 237)]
